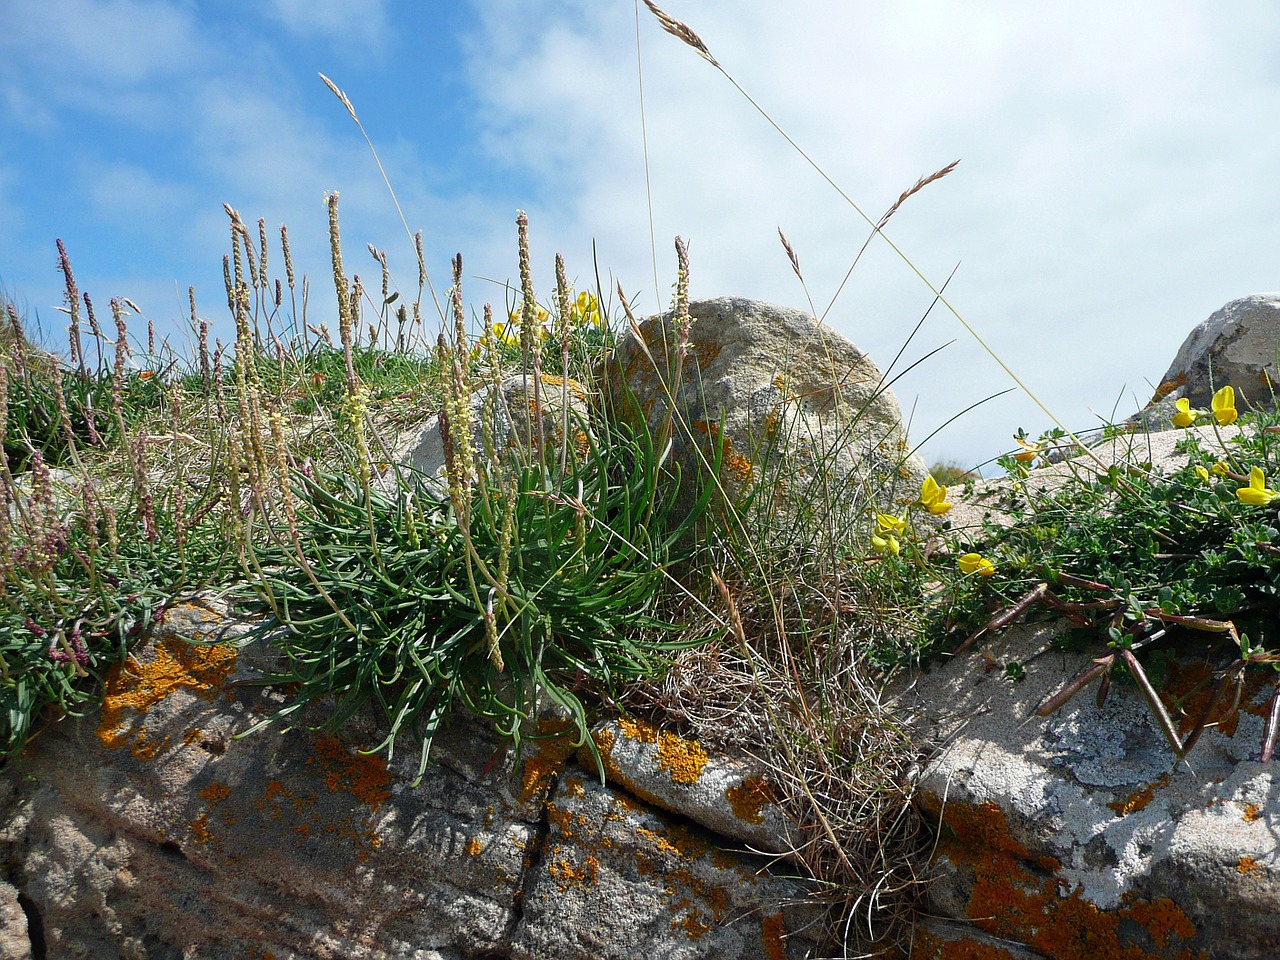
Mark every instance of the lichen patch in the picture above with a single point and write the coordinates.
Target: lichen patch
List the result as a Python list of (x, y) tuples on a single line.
[(138, 687)]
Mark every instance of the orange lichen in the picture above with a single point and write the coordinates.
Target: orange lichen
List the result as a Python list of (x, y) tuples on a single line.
[(1167, 388), (474, 847), (1247, 865), (175, 665), (705, 352), (1011, 897), (200, 828), (694, 928), (1139, 799), (749, 798), (543, 765), (1188, 688), (1252, 812), (567, 875), (215, 793), (925, 946), (734, 464), (773, 931), (364, 776)]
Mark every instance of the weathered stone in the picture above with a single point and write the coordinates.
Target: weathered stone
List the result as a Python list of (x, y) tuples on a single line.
[(618, 880), (1082, 835), (1238, 345), (15, 938), (162, 827), (783, 400), (513, 425), (727, 796)]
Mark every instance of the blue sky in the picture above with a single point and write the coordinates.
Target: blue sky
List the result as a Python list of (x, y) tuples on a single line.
[(1118, 180)]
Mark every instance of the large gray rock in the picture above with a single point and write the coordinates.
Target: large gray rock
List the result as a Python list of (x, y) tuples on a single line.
[(784, 400), (159, 829), (1238, 345), (509, 414)]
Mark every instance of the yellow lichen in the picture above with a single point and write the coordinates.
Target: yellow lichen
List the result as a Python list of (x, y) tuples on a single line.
[(638, 730), (749, 798), (683, 759), (567, 874), (1247, 865), (1251, 812), (474, 847), (543, 765)]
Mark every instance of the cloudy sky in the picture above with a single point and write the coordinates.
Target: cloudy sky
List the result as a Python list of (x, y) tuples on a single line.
[(1118, 178)]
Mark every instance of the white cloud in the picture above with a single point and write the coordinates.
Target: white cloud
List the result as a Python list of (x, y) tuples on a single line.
[(115, 42), (1117, 183), (338, 21)]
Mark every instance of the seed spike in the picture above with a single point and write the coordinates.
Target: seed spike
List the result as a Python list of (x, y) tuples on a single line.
[(681, 31)]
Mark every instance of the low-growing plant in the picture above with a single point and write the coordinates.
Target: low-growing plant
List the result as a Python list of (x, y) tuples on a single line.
[(1142, 561)]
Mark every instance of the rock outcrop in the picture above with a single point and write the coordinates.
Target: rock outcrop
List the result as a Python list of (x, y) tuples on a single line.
[(1083, 836), (505, 420), (783, 399), (1237, 346), (162, 828)]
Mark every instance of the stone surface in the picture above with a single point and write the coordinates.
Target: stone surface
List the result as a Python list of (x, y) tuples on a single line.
[(15, 937), (163, 828), (728, 796), (1238, 345), (620, 880), (784, 400), (509, 413), (1082, 835)]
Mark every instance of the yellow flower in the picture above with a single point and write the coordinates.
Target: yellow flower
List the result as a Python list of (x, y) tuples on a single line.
[(885, 544), (508, 333), (1224, 406), (1028, 452), (888, 523), (1220, 468), (1185, 416), (1202, 473), (1257, 493), (933, 497), (587, 309), (972, 563)]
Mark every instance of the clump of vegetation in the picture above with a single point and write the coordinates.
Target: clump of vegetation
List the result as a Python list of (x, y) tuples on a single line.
[(1143, 561)]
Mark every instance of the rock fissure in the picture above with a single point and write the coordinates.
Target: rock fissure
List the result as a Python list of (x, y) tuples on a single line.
[(35, 926)]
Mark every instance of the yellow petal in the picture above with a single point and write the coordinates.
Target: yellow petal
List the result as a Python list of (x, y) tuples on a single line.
[(972, 563), (888, 523), (1257, 493), (888, 544), (939, 508), (1202, 473), (1224, 406)]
